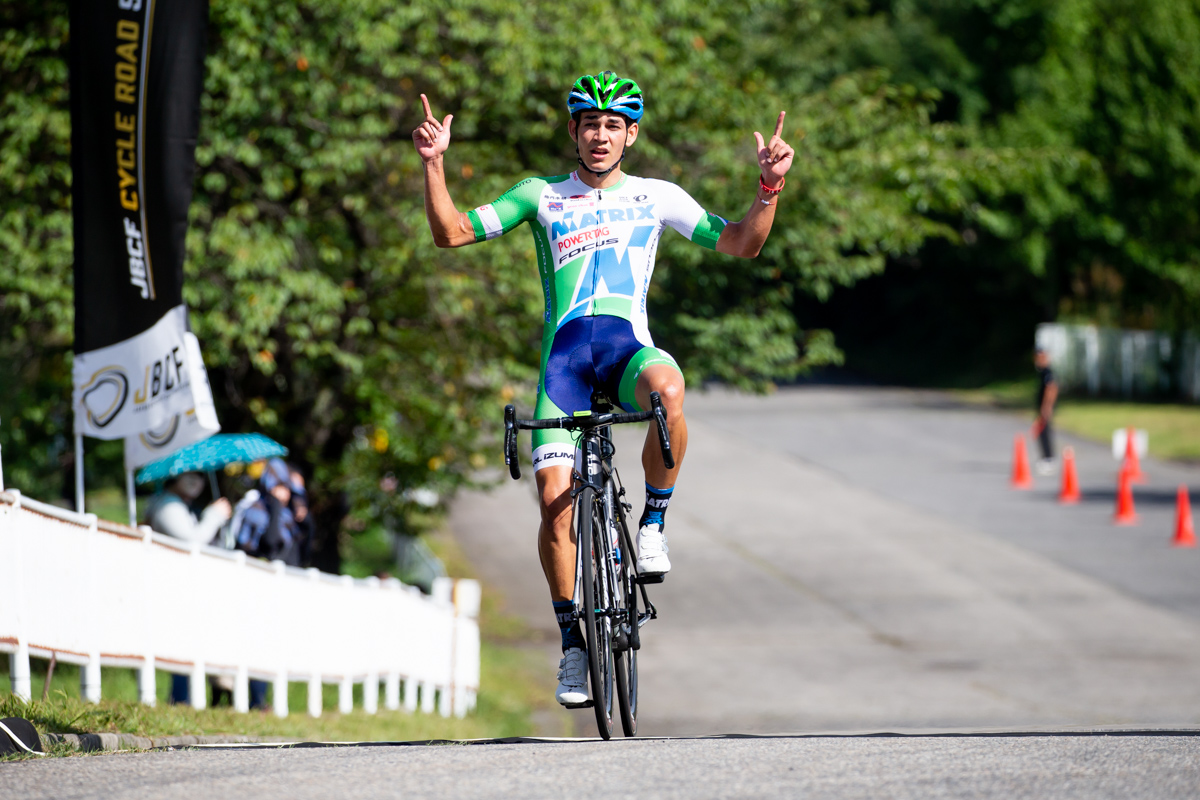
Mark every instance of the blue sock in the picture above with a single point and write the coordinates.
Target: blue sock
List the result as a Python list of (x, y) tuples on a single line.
[(656, 506), (572, 634)]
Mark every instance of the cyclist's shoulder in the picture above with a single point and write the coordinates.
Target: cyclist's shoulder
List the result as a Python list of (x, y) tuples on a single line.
[(654, 186), (535, 185)]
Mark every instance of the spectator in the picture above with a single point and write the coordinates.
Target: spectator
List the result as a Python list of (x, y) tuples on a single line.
[(1046, 397), (304, 520), (268, 528), (170, 511)]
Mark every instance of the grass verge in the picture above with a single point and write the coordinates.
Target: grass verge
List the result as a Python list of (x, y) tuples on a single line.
[(1174, 428)]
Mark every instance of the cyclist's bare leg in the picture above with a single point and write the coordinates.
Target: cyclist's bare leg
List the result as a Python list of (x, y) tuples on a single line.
[(668, 383), (556, 539)]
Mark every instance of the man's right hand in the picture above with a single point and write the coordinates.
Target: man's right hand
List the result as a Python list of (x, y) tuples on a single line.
[(431, 137), (223, 508)]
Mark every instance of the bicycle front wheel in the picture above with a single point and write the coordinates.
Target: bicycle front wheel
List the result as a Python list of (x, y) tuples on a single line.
[(627, 639), (597, 624)]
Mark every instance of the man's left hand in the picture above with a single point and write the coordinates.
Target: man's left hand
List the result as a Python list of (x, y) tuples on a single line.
[(775, 156)]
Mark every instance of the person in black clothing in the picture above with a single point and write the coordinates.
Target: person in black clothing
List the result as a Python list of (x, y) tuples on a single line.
[(304, 520), (1047, 394)]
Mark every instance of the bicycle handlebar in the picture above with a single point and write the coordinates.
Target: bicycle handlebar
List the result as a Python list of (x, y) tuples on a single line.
[(512, 425)]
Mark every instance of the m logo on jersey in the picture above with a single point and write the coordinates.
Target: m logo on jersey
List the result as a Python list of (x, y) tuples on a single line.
[(554, 205), (613, 274)]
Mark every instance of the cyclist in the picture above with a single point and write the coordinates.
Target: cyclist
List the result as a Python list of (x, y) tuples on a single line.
[(596, 231)]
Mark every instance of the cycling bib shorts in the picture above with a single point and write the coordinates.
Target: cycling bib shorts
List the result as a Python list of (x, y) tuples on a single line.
[(595, 250)]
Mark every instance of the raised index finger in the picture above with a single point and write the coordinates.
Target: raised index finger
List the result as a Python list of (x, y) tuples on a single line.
[(428, 111), (778, 125)]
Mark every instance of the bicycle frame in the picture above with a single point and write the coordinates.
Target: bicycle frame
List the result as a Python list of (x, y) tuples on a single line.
[(605, 566)]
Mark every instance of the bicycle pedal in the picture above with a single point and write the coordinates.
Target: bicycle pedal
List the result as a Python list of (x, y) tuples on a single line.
[(584, 704), (648, 579)]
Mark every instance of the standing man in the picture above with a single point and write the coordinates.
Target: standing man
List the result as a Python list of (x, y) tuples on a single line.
[(596, 231), (1046, 396)]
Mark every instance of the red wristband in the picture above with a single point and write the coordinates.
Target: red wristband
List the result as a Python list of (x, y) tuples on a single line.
[(768, 189)]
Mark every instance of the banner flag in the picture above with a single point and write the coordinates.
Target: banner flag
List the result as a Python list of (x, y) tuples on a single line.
[(136, 385), (191, 426), (137, 68)]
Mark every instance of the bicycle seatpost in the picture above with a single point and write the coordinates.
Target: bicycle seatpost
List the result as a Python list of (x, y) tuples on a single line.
[(664, 436)]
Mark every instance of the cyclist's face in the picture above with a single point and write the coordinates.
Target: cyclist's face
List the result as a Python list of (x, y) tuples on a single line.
[(601, 138)]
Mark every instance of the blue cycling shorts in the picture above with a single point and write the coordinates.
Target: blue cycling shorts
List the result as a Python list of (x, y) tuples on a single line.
[(588, 353)]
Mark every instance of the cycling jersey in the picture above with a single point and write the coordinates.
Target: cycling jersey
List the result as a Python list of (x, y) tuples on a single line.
[(595, 250)]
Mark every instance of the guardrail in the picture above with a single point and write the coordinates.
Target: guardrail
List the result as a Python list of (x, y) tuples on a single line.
[(98, 594)]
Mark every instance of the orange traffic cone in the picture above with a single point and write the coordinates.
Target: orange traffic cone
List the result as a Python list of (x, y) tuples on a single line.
[(1125, 513), (1070, 482), (1185, 532), (1131, 458), (1021, 477)]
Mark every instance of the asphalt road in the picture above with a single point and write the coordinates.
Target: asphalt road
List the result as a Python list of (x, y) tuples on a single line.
[(849, 559), (1119, 767), (844, 560)]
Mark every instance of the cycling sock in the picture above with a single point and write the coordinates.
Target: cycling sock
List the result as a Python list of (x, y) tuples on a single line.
[(572, 634), (656, 506)]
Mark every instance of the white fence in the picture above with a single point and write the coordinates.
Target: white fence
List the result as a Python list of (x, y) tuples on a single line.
[(1108, 361), (98, 594)]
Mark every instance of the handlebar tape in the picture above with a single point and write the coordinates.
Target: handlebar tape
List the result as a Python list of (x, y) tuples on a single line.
[(664, 436), (510, 442)]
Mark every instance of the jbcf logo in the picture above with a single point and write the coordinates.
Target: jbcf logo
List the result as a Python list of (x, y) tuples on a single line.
[(161, 376)]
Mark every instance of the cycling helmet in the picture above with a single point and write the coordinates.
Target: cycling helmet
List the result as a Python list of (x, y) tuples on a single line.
[(606, 92)]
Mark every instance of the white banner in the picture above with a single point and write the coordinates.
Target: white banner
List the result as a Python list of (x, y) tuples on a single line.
[(183, 429), (137, 385)]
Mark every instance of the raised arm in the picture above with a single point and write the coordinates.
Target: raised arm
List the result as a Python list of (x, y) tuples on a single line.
[(745, 239), (450, 227)]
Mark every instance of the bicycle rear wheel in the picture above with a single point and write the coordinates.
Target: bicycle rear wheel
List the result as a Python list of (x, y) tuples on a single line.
[(597, 627), (625, 656)]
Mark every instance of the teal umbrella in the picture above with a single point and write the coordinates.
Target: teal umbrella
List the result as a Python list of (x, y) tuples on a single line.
[(212, 453)]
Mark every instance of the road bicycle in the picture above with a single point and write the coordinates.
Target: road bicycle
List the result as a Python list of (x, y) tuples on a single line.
[(607, 584)]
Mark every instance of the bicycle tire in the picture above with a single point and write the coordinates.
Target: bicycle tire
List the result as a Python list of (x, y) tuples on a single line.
[(596, 628), (625, 661)]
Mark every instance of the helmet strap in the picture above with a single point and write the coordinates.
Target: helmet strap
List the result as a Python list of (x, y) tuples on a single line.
[(594, 172)]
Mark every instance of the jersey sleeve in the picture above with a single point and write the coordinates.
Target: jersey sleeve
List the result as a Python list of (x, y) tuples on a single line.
[(519, 204), (685, 215)]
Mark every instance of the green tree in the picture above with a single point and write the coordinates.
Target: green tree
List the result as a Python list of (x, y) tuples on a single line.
[(36, 316), (1120, 82)]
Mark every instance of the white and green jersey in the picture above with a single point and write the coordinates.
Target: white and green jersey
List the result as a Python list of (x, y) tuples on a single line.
[(596, 247)]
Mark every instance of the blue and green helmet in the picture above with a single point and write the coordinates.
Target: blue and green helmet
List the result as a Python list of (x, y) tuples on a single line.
[(606, 92)]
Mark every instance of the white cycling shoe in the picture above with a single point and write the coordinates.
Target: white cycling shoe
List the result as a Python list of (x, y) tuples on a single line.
[(652, 549), (572, 677)]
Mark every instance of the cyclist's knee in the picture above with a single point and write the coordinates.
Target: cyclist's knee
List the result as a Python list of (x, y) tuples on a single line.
[(671, 392), (669, 385)]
